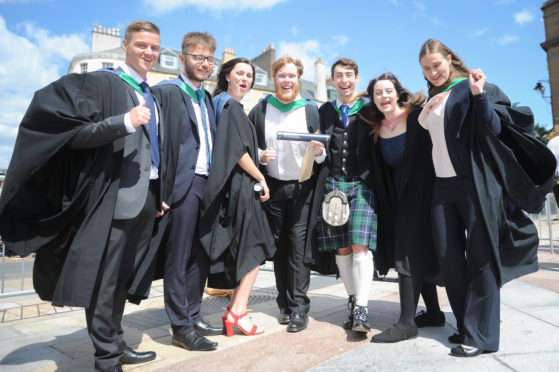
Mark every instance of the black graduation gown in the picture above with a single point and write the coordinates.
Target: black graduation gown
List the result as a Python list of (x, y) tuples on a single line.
[(512, 166), (234, 229), (405, 241), (60, 201)]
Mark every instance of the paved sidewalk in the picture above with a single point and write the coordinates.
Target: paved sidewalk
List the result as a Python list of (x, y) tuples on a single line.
[(36, 338)]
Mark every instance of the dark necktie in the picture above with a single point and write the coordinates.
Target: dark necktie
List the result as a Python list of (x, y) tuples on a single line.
[(205, 125), (345, 112), (152, 124)]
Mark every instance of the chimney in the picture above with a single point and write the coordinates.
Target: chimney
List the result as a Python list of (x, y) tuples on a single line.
[(103, 39), (228, 54), (320, 92)]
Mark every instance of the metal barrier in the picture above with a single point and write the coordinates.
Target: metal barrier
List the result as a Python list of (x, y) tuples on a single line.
[(15, 273), (546, 219)]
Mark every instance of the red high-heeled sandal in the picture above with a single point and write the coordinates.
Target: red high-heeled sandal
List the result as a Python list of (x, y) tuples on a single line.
[(229, 325)]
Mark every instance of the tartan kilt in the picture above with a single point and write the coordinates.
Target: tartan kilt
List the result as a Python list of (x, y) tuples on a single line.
[(361, 228)]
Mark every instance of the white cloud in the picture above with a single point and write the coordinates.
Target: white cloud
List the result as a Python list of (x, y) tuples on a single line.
[(166, 6), (507, 39), (524, 16), (504, 2), (392, 2), (479, 33), (340, 40), (295, 30), (65, 46), (419, 6), (35, 59), (306, 51), (420, 11)]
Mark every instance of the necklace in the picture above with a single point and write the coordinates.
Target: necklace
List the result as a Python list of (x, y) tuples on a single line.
[(390, 124)]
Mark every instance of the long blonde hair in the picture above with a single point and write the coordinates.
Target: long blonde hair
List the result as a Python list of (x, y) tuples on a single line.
[(458, 68)]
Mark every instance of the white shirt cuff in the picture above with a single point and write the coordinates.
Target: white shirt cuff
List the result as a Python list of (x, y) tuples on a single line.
[(128, 124)]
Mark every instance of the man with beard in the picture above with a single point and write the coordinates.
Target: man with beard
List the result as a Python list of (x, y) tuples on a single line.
[(83, 189), (188, 109), (290, 199)]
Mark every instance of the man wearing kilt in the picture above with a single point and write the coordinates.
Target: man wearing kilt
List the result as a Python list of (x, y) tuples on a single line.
[(347, 169)]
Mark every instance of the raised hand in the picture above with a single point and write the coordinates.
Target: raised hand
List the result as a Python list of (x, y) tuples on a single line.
[(140, 115), (477, 81)]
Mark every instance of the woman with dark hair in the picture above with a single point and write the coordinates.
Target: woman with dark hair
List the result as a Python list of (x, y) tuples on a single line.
[(482, 237), (233, 226), (403, 176)]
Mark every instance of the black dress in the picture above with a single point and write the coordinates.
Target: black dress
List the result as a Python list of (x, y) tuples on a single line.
[(404, 212), (234, 228)]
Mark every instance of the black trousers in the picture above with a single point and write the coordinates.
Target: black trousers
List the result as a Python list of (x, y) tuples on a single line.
[(128, 240), (466, 261), (289, 204), (556, 193), (186, 263)]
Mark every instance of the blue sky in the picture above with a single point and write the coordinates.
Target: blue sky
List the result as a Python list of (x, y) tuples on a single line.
[(39, 37)]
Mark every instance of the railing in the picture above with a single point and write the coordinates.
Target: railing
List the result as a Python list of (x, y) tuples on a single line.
[(16, 273), (546, 219)]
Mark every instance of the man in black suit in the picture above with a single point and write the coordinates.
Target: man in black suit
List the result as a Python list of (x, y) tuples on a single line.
[(188, 112), (84, 188)]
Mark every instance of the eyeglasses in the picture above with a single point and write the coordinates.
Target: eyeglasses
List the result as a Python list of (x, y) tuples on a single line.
[(200, 58)]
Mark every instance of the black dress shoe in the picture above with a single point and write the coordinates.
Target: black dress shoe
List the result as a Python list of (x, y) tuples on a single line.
[(284, 317), (360, 321), (130, 356), (194, 342), (460, 351), (430, 319), (298, 322), (205, 329), (348, 323), (111, 369), (396, 333), (456, 338)]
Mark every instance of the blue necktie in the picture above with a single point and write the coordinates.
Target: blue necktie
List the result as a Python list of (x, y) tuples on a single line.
[(205, 125), (152, 124), (345, 112)]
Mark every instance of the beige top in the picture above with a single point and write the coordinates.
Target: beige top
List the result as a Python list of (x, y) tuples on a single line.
[(432, 119)]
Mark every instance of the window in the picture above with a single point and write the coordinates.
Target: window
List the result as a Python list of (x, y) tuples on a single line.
[(107, 65), (169, 61), (83, 68), (261, 79)]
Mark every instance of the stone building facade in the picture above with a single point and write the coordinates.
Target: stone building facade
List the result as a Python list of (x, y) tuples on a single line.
[(550, 11), (107, 52)]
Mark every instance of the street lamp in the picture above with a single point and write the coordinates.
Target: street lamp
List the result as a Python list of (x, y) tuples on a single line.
[(541, 88)]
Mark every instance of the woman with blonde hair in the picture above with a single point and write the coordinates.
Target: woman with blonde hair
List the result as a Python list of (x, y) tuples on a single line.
[(482, 237)]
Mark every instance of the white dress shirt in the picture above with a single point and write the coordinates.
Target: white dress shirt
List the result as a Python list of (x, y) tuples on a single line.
[(553, 145), (202, 166), (290, 154), (433, 121), (154, 172)]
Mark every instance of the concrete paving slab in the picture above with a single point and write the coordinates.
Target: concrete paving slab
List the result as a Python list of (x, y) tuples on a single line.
[(528, 334)]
